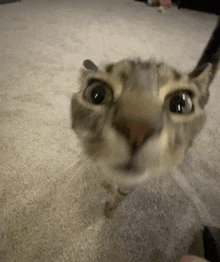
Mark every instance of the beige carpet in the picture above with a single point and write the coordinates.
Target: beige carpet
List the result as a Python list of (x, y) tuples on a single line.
[(52, 203)]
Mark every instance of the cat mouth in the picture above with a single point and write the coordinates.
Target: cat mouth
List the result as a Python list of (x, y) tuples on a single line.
[(129, 167)]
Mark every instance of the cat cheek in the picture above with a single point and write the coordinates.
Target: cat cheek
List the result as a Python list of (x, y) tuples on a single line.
[(149, 156), (116, 149)]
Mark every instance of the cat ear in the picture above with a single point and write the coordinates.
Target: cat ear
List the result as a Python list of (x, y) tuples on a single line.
[(89, 65), (203, 77)]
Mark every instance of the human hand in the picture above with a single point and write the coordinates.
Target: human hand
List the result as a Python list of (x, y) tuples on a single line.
[(192, 259)]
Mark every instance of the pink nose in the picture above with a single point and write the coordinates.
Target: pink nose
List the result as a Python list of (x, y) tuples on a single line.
[(139, 133)]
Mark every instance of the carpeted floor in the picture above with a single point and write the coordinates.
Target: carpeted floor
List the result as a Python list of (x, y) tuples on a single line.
[(52, 203)]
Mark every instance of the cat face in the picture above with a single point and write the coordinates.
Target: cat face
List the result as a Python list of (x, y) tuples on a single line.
[(137, 119)]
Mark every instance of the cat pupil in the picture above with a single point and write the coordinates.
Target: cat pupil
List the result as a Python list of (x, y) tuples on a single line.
[(98, 95), (181, 103)]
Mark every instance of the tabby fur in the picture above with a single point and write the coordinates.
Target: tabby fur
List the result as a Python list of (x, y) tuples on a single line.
[(137, 119)]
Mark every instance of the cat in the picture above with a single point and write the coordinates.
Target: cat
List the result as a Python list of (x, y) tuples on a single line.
[(137, 119)]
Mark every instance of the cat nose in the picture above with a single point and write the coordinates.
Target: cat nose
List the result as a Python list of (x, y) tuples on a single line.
[(137, 116), (136, 133), (139, 133)]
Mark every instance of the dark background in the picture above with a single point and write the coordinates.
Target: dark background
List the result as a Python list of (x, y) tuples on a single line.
[(210, 6)]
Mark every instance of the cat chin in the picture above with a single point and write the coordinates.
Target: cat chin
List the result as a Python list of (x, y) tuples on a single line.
[(118, 165), (125, 177)]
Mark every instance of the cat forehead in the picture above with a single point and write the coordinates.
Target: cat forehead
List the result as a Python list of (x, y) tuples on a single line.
[(128, 69), (148, 76)]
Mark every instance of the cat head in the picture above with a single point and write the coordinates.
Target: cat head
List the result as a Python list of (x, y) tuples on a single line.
[(137, 119)]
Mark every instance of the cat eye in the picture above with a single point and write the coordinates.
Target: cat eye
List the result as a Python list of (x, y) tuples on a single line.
[(98, 93), (181, 103)]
